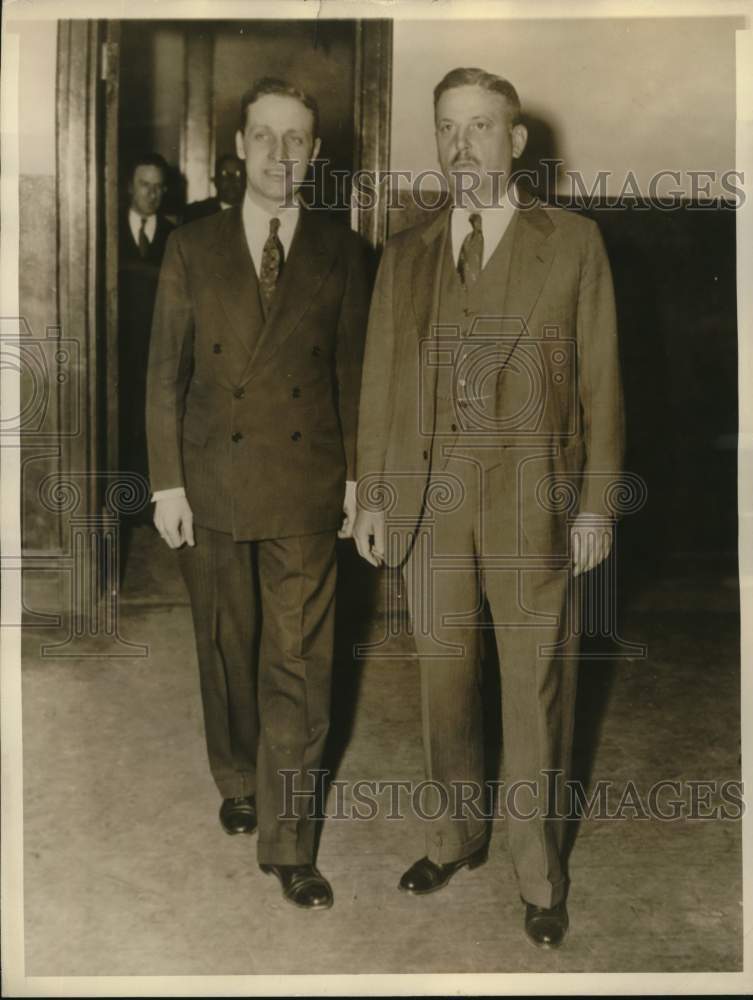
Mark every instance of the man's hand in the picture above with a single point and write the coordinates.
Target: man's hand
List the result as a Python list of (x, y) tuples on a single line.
[(173, 518), (591, 541), (349, 510), (369, 536)]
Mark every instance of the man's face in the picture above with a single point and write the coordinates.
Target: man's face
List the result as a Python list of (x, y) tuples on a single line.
[(278, 128), (475, 141), (146, 188), (230, 180)]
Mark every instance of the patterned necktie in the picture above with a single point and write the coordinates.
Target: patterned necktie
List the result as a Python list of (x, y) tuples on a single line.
[(272, 259), (471, 253), (143, 238)]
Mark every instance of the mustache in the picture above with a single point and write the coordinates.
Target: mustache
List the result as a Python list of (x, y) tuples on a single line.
[(465, 158)]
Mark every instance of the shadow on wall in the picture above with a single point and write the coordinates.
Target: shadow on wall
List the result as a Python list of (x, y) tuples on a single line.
[(538, 164)]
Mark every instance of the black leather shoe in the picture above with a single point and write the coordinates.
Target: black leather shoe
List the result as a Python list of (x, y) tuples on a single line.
[(546, 928), (426, 876), (238, 815), (303, 885)]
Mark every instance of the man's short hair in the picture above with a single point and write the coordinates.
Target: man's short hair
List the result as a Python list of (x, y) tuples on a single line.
[(272, 85), (225, 158), (148, 160), (470, 77)]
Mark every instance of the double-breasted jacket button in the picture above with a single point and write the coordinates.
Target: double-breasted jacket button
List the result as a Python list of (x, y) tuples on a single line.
[(426, 456), (237, 436), (296, 392), (453, 428), (295, 436), (239, 393), (217, 348), (316, 351)]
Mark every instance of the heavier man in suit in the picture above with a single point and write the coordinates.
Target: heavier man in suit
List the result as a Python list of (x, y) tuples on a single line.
[(142, 238), (490, 398), (254, 376), (230, 183)]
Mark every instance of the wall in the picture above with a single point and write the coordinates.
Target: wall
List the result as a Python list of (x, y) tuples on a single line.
[(612, 94), (37, 261)]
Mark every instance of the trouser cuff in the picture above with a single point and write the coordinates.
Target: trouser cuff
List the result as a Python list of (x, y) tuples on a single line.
[(237, 785), (443, 854), (543, 893), (283, 854)]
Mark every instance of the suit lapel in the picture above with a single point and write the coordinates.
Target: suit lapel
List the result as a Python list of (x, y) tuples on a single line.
[(235, 280), (531, 261), (426, 279), (427, 273), (308, 263)]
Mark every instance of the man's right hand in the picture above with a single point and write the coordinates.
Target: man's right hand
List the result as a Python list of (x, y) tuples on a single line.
[(369, 536), (173, 518)]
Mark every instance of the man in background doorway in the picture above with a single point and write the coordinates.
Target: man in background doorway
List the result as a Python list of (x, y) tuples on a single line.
[(254, 374), (230, 183), (143, 235)]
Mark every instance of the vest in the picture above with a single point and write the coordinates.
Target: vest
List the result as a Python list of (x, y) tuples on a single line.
[(469, 324)]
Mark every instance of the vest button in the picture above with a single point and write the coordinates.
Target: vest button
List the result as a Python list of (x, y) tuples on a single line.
[(217, 348), (239, 393), (295, 436), (296, 392), (454, 428), (426, 456), (237, 436)]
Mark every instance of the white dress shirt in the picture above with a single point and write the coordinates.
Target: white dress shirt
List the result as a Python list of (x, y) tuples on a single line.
[(256, 227), (134, 221)]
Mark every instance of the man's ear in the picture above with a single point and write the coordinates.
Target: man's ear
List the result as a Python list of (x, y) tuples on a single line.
[(519, 139), (239, 145), (315, 149)]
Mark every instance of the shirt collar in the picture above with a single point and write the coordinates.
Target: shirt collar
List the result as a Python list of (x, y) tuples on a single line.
[(490, 215), (137, 216), (257, 218)]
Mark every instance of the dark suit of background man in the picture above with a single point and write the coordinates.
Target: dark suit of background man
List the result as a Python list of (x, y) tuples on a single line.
[(472, 435), (142, 238), (230, 182), (254, 376)]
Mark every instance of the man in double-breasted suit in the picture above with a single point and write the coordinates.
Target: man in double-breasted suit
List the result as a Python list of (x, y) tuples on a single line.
[(490, 427), (254, 377)]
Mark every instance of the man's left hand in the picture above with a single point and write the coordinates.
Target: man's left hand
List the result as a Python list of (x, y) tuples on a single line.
[(590, 541), (349, 511)]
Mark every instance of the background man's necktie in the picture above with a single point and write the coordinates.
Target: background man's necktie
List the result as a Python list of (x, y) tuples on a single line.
[(272, 259), (471, 253), (143, 238)]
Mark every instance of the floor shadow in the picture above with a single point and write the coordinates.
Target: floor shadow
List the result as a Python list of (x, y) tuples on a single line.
[(357, 599)]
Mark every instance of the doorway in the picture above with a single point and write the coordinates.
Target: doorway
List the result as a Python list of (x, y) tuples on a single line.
[(173, 87)]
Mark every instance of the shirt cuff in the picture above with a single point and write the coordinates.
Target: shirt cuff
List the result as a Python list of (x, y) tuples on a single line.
[(176, 491)]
